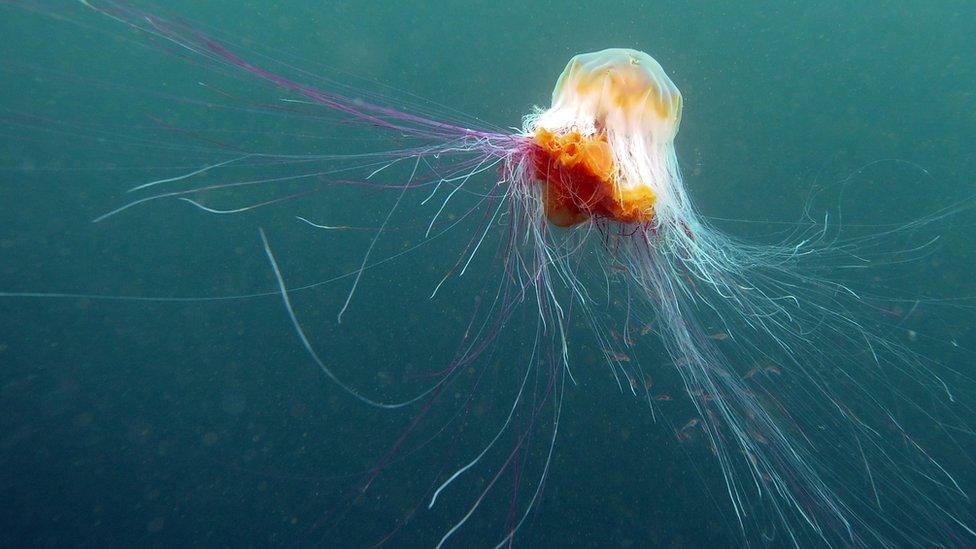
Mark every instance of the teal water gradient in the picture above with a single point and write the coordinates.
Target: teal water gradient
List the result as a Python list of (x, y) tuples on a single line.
[(171, 423)]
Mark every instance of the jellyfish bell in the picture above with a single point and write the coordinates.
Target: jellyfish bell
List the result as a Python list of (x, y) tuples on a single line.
[(605, 147)]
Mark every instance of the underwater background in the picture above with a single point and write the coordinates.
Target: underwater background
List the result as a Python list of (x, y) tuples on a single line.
[(170, 423)]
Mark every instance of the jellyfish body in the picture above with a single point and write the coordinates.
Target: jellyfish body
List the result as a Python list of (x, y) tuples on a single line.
[(606, 145)]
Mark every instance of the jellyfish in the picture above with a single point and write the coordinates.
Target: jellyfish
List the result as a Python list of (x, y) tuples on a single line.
[(792, 380), (603, 154)]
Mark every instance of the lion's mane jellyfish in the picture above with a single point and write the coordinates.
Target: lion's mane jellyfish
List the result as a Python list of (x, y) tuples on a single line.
[(779, 362)]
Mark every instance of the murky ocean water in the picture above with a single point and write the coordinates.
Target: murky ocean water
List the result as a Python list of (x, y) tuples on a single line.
[(203, 422)]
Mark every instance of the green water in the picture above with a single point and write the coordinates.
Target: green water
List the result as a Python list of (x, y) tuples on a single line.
[(170, 423)]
